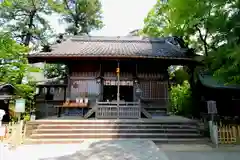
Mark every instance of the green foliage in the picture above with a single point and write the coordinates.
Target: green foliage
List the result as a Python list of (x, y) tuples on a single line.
[(82, 16), (14, 67), (156, 20), (25, 19), (13, 60), (180, 75), (26, 117), (196, 21), (211, 27), (181, 100), (55, 70), (225, 64)]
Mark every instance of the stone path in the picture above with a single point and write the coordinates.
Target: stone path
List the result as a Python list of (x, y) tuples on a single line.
[(93, 150), (199, 152), (201, 155), (119, 150)]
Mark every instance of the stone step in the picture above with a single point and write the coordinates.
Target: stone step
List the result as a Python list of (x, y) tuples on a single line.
[(74, 131), (114, 130), (114, 135), (53, 141), (116, 126), (154, 111), (186, 141), (156, 140), (128, 121)]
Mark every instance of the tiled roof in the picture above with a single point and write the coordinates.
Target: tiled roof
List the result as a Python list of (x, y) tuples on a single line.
[(84, 46), (208, 80)]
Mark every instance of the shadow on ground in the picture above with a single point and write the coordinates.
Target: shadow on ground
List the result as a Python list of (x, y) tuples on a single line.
[(115, 150)]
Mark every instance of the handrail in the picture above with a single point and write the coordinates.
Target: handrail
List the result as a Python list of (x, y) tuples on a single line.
[(123, 110), (120, 103)]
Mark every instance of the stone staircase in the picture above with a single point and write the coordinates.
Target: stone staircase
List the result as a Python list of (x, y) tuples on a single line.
[(74, 131)]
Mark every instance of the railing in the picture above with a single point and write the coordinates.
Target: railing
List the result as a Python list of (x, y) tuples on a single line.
[(16, 133), (224, 131), (125, 110), (228, 134)]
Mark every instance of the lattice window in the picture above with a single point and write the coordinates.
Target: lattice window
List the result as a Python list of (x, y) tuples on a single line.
[(153, 90), (84, 88), (145, 87)]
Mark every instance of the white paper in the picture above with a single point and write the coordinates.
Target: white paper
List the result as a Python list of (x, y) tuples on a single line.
[(2, 131)]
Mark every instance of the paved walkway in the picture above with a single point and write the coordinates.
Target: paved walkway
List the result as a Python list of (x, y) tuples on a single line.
[(92, 150), (119, 150), (199, 152), (201, 155)]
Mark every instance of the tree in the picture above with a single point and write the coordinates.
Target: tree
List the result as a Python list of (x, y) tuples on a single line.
[(209, 26), (196, 21), (13, 60), (180, 75), (156, 20), (181, 100), (55, 70), (25, 19), (82, 16), (14, 67)]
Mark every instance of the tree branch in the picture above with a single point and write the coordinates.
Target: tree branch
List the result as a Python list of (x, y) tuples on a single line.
[(66, 4), (203, 39)]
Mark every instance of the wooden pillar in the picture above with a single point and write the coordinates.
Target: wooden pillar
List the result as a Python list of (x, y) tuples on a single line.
[(59, 108), (67, 89), (100, 98), (196, 104), (134, 84), (168, 81), (118, 83), (65, 94), (168, 89)]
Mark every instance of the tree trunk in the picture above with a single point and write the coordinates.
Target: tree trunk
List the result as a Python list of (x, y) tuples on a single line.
[(76, 27), (30, 25)]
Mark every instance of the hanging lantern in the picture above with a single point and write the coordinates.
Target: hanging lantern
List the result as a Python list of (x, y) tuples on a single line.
[(138, 92), (136, 81), (52, 90)]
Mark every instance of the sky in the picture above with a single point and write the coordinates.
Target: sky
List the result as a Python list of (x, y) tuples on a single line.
[(119, 17)]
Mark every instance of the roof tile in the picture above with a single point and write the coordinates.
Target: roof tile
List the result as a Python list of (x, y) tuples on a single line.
[(114, 47)]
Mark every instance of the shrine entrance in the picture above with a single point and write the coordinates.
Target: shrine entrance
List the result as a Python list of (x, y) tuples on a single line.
[(126, 93), (110, 91)]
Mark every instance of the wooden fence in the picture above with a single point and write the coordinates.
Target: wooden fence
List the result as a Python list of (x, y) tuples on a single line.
[(125, 110), (16, 133), (228, 134)]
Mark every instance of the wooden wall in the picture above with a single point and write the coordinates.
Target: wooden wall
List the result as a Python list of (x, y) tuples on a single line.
[(82, 77)]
